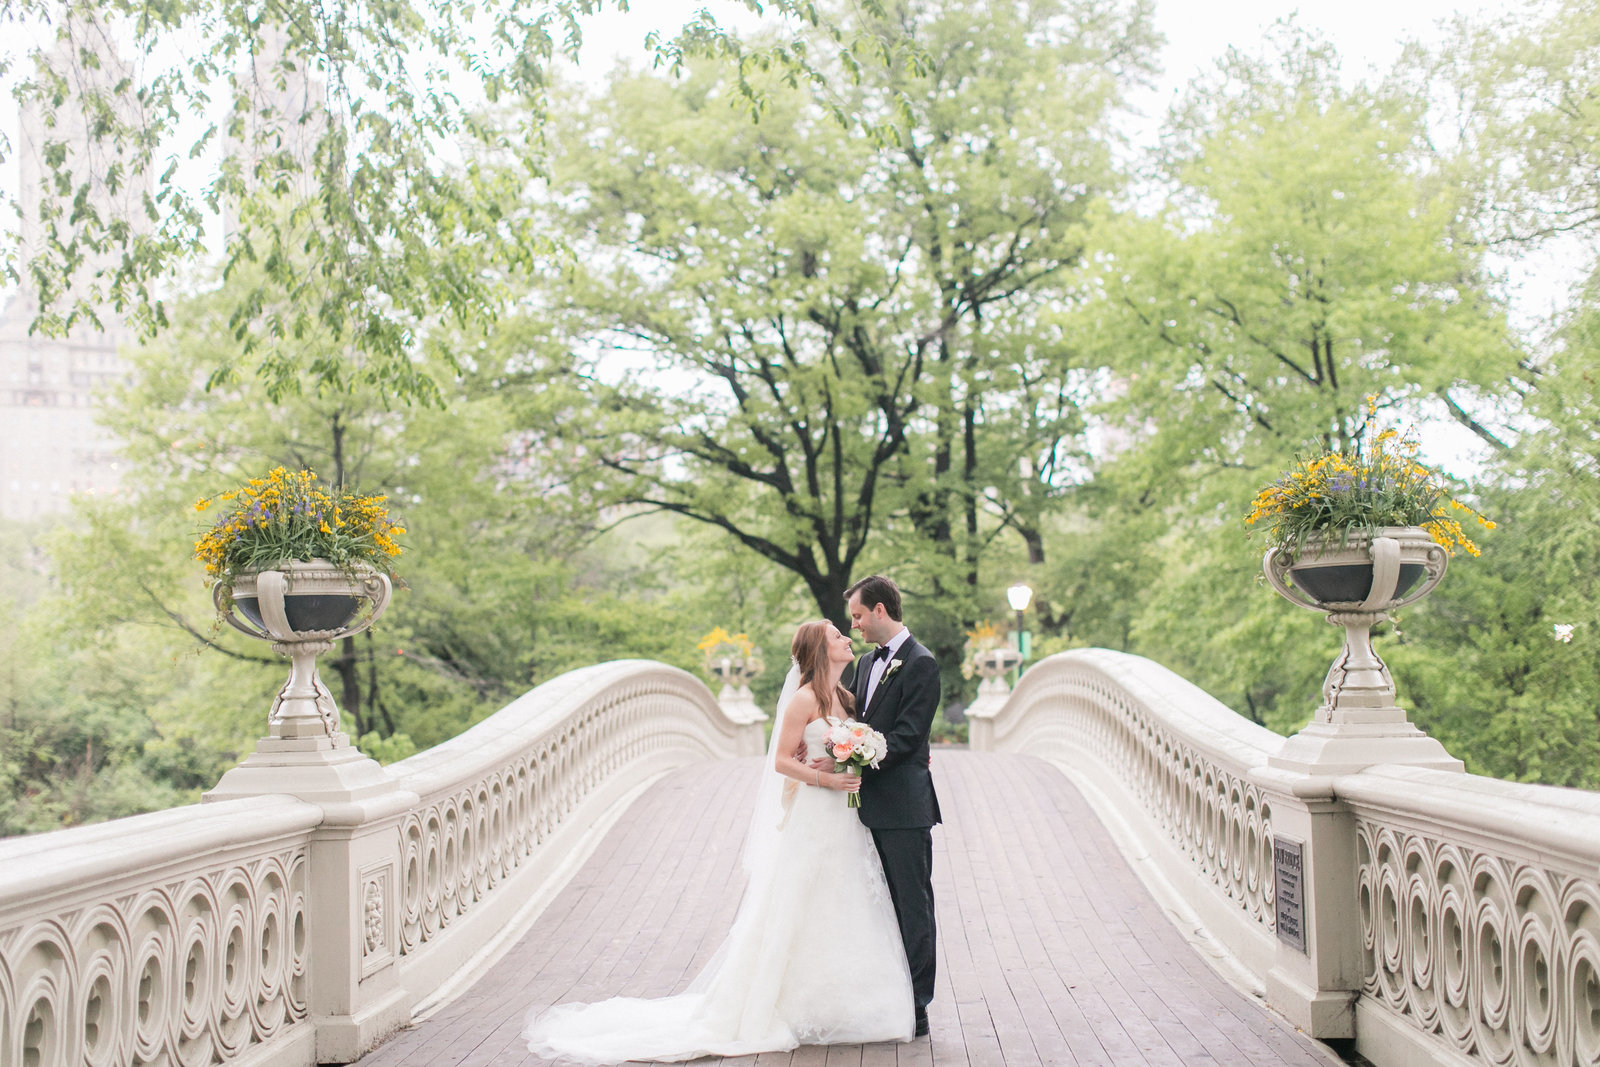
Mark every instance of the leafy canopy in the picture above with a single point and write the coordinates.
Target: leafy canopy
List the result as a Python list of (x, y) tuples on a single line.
[(344, 149)]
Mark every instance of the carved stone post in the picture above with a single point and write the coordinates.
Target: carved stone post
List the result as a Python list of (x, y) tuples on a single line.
[(992, 665), (738, 703), (353, 916), (1317, 968), (353, 883)]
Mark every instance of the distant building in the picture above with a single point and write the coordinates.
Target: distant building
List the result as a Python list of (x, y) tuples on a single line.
[(285, 119), (50, 387), (50, 445)]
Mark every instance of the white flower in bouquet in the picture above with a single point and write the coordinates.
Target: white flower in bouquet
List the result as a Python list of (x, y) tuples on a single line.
[(854, 745)]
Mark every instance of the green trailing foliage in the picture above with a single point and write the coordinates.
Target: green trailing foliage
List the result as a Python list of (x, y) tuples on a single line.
[(343, 149)]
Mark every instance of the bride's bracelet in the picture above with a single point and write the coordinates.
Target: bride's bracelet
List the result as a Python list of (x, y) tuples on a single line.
[(819, 778)]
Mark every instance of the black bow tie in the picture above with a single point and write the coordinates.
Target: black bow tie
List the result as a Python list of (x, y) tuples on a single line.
[(882, 652)]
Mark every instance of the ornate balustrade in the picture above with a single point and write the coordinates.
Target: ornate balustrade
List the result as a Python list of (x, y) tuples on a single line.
[(178, 937), (1479, 917), (1448, 918), (1168, 763), (272, 930), (492, 802)]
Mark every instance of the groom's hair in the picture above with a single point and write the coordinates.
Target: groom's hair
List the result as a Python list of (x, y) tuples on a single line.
[(875, 589)]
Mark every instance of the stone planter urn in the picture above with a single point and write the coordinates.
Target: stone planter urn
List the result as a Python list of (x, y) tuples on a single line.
[(302, 608), (735, 673), (1355, 584), (992, 665)]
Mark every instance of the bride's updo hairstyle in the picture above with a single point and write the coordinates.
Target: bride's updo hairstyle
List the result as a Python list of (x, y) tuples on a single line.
[(810, 652)]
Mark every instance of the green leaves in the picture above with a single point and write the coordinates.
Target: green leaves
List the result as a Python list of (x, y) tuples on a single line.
[(837, 338), (1302, 264), (344, 152)]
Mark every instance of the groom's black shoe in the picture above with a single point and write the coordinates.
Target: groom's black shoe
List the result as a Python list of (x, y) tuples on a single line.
[(922, 1023)]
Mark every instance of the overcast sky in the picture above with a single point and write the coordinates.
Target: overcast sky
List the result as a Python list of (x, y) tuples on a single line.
[(1368, 33)]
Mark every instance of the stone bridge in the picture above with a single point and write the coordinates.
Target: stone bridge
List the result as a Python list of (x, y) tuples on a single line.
[(1129, 873)]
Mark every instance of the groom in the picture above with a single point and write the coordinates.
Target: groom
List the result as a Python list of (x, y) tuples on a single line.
[(897, 693)]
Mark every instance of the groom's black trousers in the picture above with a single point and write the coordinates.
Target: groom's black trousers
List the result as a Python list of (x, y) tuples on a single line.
[(908, 868)]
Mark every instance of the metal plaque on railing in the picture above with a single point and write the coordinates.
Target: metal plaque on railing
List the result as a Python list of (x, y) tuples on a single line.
[(1288, 873)]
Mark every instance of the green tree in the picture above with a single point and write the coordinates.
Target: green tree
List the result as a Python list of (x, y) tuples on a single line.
[(1300, 258), (1480, 662), (837, 350), (1301, 264), (1516, 121), (120, 694), (1516, 111), (345, 146)]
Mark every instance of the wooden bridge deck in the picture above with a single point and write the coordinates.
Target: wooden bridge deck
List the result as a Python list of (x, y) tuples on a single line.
[(1051, 951)]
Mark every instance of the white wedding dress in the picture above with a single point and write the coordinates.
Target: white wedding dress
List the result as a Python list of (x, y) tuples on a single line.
[(814, 955)]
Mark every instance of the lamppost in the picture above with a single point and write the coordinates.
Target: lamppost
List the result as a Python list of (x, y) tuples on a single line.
[(1018, 596)]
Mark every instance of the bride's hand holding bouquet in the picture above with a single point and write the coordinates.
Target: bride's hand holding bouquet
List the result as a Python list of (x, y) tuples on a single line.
[(853, 745)]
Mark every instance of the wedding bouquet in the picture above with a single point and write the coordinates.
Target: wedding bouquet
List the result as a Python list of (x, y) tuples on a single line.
[(853, 746)]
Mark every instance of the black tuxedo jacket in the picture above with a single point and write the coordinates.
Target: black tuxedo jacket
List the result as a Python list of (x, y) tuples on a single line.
[(899, 794)]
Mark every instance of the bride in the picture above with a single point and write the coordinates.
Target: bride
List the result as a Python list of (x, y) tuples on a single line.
[(814, 955)]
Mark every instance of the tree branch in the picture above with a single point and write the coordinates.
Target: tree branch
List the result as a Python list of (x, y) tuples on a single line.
[(184, 625)]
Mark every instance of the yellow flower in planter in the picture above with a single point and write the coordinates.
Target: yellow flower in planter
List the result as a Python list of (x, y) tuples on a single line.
[(730, 656), (1378, 483), (294, 516), (984, 638)]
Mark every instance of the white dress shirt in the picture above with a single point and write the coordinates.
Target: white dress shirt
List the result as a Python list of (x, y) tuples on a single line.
[(879, 666)]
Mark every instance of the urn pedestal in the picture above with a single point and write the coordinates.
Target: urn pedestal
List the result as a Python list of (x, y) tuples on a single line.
[(736, 700), (302, 608), (1316, 973), (1355, 584)]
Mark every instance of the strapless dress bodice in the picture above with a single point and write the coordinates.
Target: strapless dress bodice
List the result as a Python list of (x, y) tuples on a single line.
[(813, 736)]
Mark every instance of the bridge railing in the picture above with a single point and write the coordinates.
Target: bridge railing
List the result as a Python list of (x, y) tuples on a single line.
[(1166, 764), (1443, 917), (493, 802), (269, 930), (1479, 909), (175, 937)]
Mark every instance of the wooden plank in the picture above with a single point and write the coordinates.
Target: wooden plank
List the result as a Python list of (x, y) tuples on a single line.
[(842, 1056), (920, 1052), (809, 1056), (881, 1054), (1050, 951)]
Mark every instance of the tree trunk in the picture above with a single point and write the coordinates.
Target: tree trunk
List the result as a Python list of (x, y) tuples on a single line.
[(348, 664), (350, 701), (1035, 542), (373, 698), (337, 426), (828, 590)]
